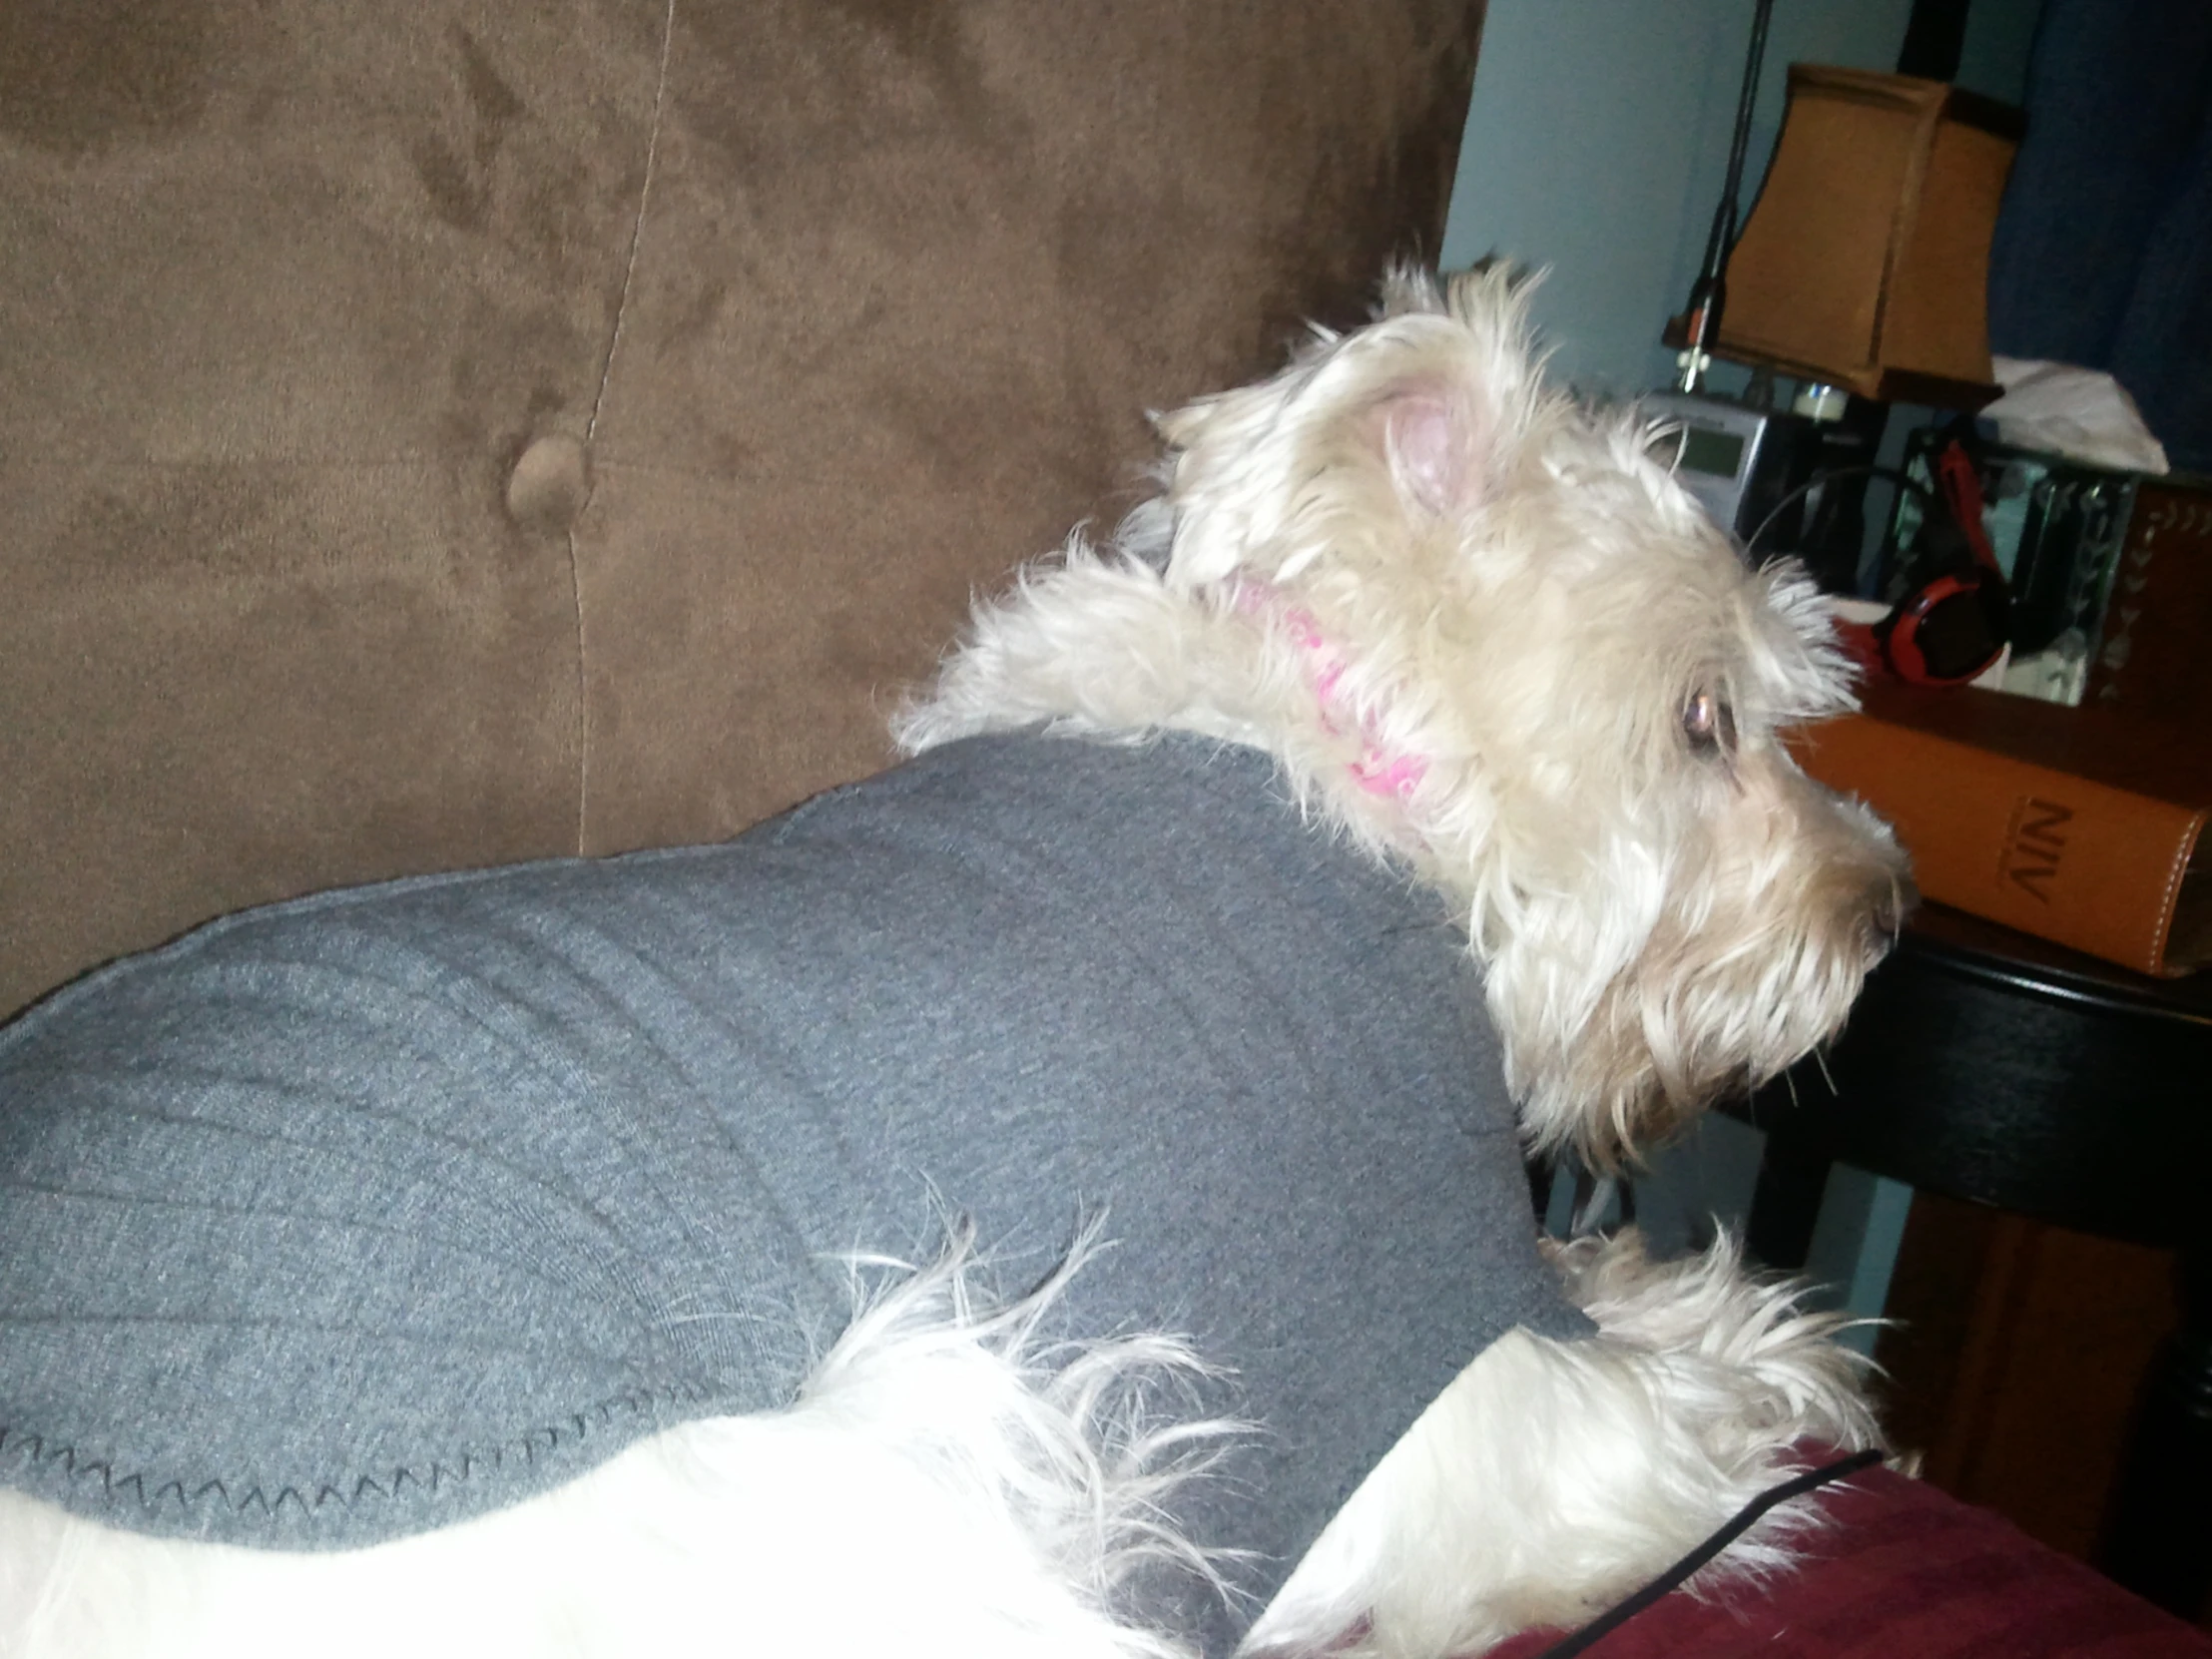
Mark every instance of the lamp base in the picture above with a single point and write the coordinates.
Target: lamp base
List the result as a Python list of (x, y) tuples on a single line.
[(1883, 385)]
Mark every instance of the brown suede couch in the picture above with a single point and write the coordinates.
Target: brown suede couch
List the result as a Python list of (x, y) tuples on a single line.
[(450, 432)]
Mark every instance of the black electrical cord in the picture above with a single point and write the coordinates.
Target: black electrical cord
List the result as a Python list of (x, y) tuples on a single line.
[(1680, 1574), (1903, 481), (1709, 293), (1745, 99)]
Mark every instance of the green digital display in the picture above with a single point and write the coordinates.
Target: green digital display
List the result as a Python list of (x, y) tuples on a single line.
[(1705, 451)]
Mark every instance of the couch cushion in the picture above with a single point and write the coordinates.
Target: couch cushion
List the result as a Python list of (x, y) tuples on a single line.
[(1904, 1570), (832, 312)]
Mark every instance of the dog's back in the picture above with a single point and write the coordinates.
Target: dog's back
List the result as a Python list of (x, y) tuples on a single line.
[(460, 1186)]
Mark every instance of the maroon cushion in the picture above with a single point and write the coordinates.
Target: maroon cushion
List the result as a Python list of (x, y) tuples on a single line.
[(1906, 1572)]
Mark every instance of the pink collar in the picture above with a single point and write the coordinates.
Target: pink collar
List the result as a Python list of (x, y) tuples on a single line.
[(1378, 771)]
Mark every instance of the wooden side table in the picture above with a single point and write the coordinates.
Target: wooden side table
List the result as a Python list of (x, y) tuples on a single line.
[(1991, 1066)]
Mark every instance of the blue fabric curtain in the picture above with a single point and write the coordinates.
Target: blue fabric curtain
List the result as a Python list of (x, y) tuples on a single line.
[(2103, 249)]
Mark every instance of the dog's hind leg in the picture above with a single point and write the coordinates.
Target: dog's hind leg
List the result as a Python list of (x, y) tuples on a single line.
[(1553, 1478)]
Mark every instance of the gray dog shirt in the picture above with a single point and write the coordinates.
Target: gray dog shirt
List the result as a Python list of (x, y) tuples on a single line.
[(344, 1218)]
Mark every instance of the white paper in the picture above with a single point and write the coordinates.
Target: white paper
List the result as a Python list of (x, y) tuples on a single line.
[(2081, 413)]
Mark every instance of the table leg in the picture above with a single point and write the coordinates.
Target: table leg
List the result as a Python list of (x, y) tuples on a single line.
[(1786, 1202), (2158, 1536)]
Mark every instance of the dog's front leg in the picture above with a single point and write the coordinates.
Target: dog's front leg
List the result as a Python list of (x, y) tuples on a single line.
[(1553, 1478)]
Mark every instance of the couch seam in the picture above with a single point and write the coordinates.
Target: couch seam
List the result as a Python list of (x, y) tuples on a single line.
[(591, 430)]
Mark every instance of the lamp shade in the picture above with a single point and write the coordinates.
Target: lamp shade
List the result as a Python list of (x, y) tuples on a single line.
[(1864, 263)]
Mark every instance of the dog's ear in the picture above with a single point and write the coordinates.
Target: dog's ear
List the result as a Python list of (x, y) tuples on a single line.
[(1433, 444), (1442, 422), (1407, 290), (1410, 420)]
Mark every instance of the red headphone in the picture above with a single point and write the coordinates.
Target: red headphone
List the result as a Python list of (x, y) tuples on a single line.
[(1954, 615), (1951, 607)]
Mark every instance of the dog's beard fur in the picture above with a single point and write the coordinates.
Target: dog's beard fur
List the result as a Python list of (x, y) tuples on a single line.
[(1517, 600), (1517, 597)]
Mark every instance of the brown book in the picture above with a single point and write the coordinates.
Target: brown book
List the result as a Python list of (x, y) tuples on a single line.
[(2081, 826)]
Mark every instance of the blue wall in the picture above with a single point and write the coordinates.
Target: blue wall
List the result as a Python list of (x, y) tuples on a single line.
[(1598, 136)]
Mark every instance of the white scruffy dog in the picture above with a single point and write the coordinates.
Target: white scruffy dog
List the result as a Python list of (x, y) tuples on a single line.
[(1488, 639)]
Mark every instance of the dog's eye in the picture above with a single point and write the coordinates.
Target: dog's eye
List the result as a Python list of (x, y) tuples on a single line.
[(1710, 723)]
